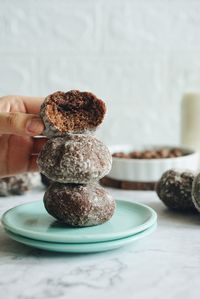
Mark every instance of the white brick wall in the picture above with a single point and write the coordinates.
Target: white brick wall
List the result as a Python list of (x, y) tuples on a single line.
[(140, 56)]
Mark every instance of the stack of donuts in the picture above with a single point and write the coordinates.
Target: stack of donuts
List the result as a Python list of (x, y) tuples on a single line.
[(74, 160)]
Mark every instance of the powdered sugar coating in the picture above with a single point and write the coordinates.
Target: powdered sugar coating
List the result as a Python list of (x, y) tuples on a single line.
[(79, 159), (79, 205)]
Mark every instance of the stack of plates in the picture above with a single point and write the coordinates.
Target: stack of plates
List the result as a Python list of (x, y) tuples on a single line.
[(31, 225)]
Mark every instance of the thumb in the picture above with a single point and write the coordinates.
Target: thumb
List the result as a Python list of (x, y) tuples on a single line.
[(20, 124)]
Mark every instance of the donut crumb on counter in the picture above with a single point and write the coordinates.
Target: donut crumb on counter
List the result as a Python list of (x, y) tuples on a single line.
[(151, 154)]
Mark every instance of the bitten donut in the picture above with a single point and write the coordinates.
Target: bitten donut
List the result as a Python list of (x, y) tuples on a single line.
[(71, 112), (79, 205), (79, 159), (175, 190)]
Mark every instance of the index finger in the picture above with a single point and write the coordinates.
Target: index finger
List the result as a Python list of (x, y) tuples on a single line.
[(32, 104)]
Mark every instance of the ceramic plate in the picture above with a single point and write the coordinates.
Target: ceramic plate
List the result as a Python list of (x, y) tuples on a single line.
[(81, 247), (32, 221)]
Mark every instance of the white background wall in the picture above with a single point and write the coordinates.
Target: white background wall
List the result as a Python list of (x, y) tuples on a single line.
[(139, 56)]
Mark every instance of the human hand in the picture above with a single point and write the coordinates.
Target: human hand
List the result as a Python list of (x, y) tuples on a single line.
[(19, 122)]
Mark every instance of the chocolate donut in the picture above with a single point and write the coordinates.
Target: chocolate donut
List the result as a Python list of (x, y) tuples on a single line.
[(79, 159), (15, 185), (175, 190), (79, 205), (71, 112)]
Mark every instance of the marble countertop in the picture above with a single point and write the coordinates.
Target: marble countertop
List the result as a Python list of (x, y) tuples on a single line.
[(166, 264)]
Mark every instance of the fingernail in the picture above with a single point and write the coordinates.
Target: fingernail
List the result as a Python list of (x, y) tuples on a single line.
[(35, 126)]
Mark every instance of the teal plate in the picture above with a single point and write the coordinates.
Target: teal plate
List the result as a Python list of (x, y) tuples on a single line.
[(82, 248), (32, 221)]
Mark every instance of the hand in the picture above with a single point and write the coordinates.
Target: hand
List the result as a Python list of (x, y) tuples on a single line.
[(19, 122)]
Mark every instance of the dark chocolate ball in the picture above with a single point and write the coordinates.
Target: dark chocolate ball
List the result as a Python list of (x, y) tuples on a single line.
[(175, 190), (79, 159), (79, 205), (71, 112)]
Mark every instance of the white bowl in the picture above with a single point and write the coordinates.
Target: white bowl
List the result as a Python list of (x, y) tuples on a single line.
[(149, 170)]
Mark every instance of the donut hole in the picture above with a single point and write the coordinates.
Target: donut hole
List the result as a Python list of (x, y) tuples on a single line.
[(79, 205), (75, 111)]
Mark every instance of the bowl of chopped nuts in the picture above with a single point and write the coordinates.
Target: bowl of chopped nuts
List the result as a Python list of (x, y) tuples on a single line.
[(147, 164)]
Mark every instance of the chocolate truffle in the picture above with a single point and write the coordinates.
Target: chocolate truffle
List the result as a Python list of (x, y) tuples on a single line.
[(196, 192), (79, 205), (175, 190), (79, 159), (71, 112), (15, 185)]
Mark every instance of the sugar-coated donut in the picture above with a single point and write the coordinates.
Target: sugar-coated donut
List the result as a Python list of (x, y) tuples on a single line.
[(175, 190), (16, 185), (79, 159), (79, 205)]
